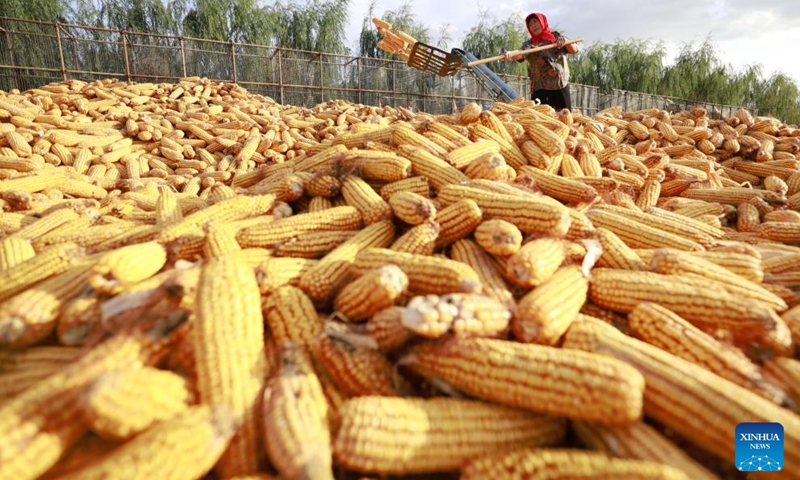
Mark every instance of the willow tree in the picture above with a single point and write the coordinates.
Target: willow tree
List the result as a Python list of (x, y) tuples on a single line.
[(492, 37)]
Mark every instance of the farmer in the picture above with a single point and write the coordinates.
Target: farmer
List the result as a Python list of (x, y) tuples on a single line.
[(547, 69)]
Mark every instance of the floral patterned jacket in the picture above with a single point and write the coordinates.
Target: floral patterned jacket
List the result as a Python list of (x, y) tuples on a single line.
[(546, 69)]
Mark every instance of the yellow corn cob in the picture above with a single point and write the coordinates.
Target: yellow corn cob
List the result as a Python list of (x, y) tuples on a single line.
[(545, 314), (490, 167), (186, 446), (220, 241), (512, 154), (405, 136), (34, 182), (457, 220), (471, 113), (50, 261), (275, 272), (534, 377), (21, 164), (661, 327), (782, 216), (463, 156), (706, 306), (443, 433), (420, 239), (748, 217), (412, 208), (551, 464), (356, 370), (784, 372), (18, 143), (79, 319), (291, 316), (639, 441), (15, 379), (270, 234), (226, 211), (118, 268), (313, 244), (669, 262), (448, 132), (425, 274), (648, 196), (784, 232), (322, 280), (425, 164), (286, 187), (296, 419), (319, 204), (636, 234), (545, 138), (229, 348), (677, 388), (488, 270), (776, 184), (570, 166), (322, 185), (499, 237), (530, 214), (492, 122), (372, 165), (536, 156), (535, 262), (616, 254), (360, 195), (46, 224), (561, 188), (39, 424), (387, 330), (418, 185), (468, 314), (374, 291), (30, 316), (731, 195), (120, 405), (782, 263), (14, 251)]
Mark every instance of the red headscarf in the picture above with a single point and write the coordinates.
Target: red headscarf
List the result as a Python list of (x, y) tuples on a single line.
[(546, 34)]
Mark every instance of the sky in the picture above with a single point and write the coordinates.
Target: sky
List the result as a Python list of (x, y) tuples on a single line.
[(744, 32)]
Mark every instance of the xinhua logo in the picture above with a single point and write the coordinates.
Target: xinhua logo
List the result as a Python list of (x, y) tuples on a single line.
[(759, 447)]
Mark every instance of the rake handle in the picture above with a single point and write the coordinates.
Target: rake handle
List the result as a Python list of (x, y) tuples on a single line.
[(524, 52)]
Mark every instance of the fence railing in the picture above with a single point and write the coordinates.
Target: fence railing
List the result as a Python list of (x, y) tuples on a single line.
[(34, 53)]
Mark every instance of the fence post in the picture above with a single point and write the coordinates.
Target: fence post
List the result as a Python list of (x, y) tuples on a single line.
[(183, 59), (125, 54), (280, 74), (358, 78), (233, 61), (15, 70), (321, 80), (61, 52)]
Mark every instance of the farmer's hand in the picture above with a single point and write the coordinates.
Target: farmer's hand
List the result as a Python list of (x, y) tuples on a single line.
[(507, 56), (560, 42)]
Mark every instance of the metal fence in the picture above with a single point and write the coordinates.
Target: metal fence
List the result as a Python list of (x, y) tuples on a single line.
[(35, 53)]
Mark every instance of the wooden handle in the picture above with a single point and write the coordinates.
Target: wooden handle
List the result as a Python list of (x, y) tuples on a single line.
[(523, 52)]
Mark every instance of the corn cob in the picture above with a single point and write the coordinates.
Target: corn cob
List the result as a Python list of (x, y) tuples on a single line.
[(39, 424), (616, 254), (291, 316), (432, 316), (551, 464), (705, 306), (17, 378), (387, 330), (296, 419), (463, 156), (535, 262), (499, 237), (746, 266), (360, 195), (438, 172), (275, 272), (748, 217), (528, 213), (544, 314), (784, 232), (782, 216), (420, 239), (186, 446), (220, 241), (120, 405), (269, 234), (322, 280), (732, 196), (538, 378), (457, 220), (313, 244), (782, 263), (425, 274), (662, 328), (30, 316), (536, 156), (784, 372), (512, 154), (418, 185), (374, 291), (639, 441), (79, 319), (229, 348), (355, 369), (50, 261), (226, 211), (561, 188), (545, 138), (445, 433), (405, 136), (675, 389), (670, 262), (284, 186), (412, 208), (319, 204), (489, 272), (370, 165), (323, 185), (639, 235), (14, 251), (118, 268)]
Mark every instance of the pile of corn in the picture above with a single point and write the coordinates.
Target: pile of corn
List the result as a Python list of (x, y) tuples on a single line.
[(197, 282)]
